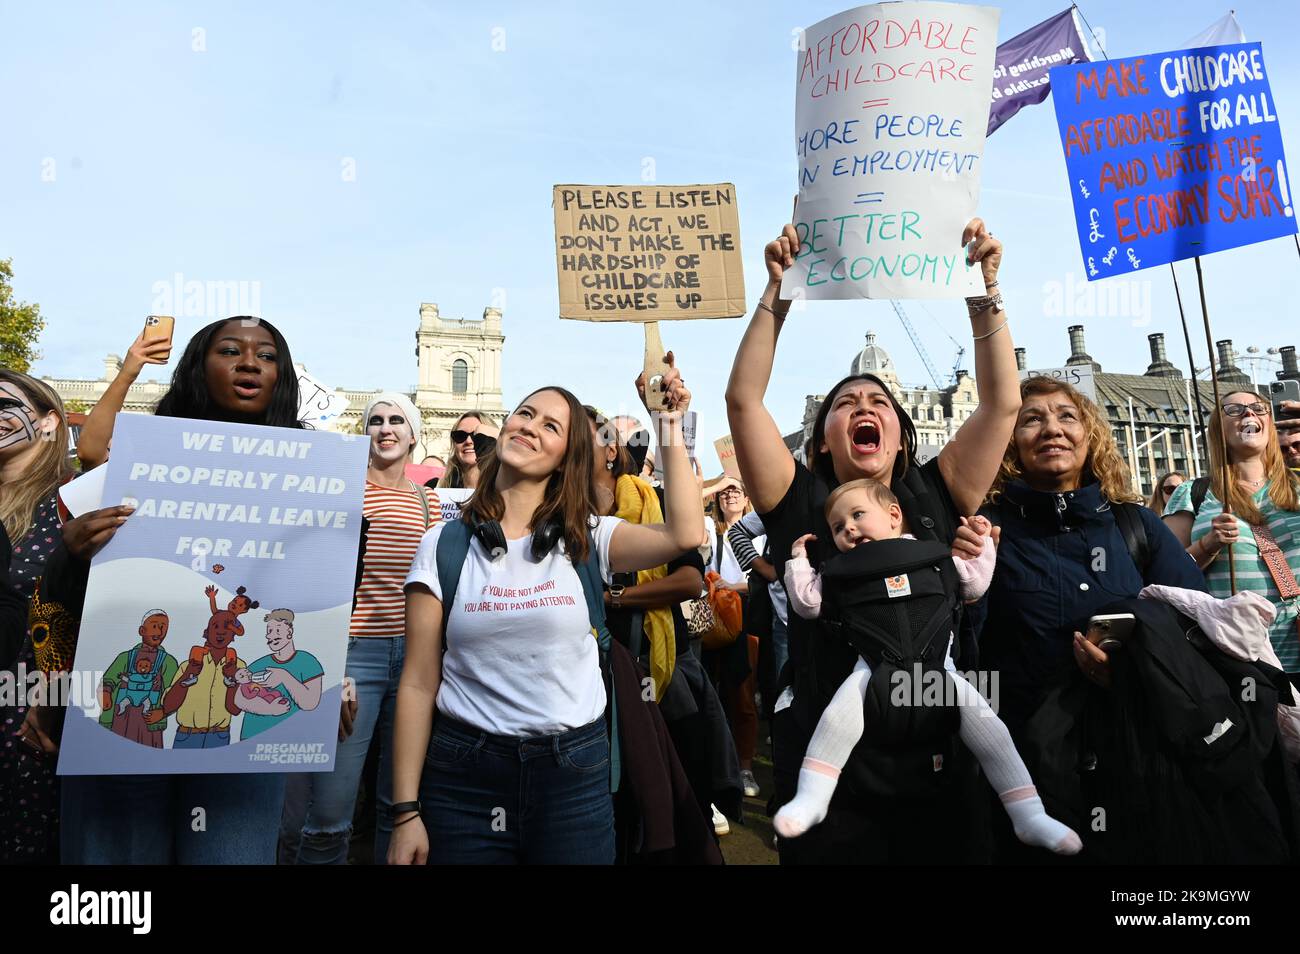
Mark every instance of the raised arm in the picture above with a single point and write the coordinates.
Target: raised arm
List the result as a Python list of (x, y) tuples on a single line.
[(641, 546), (970, 461), (97, 432), (764, 460)]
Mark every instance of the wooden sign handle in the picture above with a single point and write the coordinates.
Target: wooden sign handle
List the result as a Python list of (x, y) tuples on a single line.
[(655, 366)]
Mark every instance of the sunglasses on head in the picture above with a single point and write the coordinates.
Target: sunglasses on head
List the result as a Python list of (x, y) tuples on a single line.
[(460, 437), (1259, 408)]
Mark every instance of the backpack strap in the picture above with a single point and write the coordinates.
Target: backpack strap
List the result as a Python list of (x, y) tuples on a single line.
[(593, 589), (1200, 487), (453, 550), (424, 503), (1134, 532)]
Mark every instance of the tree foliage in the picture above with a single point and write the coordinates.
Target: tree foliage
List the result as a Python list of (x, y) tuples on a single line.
[(21, 325)]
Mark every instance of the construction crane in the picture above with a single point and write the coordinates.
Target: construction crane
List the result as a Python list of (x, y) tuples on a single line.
[(920, 349)]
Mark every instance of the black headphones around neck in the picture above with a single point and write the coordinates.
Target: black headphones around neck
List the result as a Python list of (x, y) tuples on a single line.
[(493, 538)]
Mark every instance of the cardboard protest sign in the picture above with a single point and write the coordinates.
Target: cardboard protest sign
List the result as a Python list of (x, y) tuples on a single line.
[(891, 113), (221, 607), (1078, 376), (726, 449), (318, 405), (648, 252), (1172, 155)]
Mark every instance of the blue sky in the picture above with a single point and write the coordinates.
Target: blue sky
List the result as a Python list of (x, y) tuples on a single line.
[(229, 164)]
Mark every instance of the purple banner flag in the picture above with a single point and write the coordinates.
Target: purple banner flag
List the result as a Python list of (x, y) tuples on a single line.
[(1022, 62)]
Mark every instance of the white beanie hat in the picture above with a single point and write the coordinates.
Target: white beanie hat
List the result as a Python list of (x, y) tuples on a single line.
[(401, 401)]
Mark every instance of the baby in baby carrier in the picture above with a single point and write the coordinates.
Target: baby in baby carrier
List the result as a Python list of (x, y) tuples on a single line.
[(142, 681), (873, 613)]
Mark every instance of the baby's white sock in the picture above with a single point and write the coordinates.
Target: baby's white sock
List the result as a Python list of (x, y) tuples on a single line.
[(837, 732), (989, 740), (1034, 826), (817, 782)]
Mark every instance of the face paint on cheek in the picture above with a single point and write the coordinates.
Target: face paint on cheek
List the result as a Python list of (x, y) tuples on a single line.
[(24, 431)]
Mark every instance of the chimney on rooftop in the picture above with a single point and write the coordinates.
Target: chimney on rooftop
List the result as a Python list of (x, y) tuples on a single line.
[(1160, 365), (1078, 353)]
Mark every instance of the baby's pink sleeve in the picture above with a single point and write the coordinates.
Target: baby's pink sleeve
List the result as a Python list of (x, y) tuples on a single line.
[(804, 587), (976, 574)]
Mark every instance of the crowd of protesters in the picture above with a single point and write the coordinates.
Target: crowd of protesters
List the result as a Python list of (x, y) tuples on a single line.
[(1110, 638)]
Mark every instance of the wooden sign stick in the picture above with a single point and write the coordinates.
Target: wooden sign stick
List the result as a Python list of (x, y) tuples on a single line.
[(655, 366), (1226, 473)]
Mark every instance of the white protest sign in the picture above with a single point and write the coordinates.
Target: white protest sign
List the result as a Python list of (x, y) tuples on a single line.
[(1078, 376), (318, 404), (891, 113), (450, 499), (690, 423), (85, 493)]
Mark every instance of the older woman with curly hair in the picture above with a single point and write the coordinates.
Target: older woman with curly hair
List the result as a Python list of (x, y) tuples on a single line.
[(1059, 500)]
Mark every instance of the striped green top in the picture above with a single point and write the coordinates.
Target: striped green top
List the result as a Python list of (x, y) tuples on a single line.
[(1252, 571)]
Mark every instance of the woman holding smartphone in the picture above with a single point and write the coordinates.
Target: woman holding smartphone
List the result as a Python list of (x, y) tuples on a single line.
[(151, 347), (236, 370)]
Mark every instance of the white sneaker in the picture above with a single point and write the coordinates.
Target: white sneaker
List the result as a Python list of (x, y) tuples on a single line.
[(720, 824), (749, 783)]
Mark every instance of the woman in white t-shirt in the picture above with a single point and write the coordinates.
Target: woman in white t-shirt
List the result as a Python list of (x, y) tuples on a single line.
[(517, 769)]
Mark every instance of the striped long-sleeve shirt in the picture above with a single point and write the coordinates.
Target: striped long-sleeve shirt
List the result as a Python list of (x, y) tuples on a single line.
[(746, 536)]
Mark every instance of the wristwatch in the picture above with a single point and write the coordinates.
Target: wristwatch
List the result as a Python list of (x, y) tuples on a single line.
[(616, 595)]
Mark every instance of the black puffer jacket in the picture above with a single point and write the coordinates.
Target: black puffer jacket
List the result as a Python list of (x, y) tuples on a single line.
[(1178, 762)]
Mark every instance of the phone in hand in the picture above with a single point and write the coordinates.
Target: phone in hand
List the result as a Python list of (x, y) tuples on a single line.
[(1108, 632), (1279, 391), (159, 328)]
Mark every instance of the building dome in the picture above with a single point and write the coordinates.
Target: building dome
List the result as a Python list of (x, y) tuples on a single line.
[(873, 359)]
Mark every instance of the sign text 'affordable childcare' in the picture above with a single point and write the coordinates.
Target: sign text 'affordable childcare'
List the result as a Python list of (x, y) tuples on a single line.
[(891, 113), (221, 607), (648, 253), (1172, 155)]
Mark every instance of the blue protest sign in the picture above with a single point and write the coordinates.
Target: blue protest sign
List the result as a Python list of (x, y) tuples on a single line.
[(1172, 155), (215, 627)]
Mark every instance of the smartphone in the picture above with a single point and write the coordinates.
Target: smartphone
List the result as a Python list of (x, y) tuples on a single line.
[(159, 328), (1279, 391), (1109, 631)]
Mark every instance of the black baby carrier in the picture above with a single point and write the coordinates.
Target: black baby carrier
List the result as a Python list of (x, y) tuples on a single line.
[(896, 603)]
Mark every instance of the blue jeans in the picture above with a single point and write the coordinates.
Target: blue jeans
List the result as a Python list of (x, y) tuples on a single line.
[(493, 799), (200, 740), (317, 824), (152, 819)]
